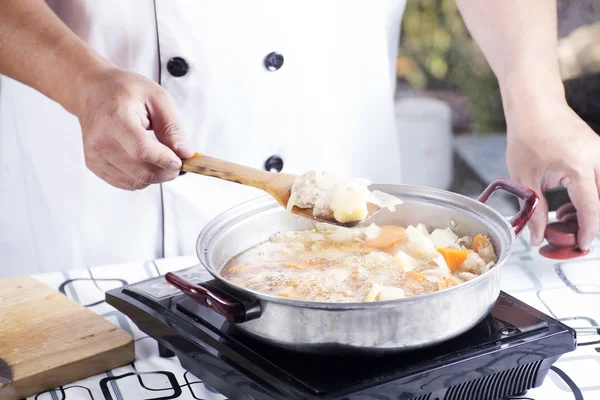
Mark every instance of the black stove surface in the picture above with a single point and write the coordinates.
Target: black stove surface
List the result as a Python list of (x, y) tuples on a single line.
[(508, 352)]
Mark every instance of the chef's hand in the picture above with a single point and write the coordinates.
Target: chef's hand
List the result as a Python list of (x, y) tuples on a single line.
[(549, 145), (116, 110)]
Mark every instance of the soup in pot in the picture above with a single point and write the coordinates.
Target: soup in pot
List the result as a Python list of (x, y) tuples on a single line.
[(334, 264)]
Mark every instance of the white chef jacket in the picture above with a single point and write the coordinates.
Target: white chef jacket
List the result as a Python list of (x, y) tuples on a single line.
[(309, 84)]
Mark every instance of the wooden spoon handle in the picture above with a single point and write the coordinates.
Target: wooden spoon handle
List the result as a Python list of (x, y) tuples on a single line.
[(208, 166)]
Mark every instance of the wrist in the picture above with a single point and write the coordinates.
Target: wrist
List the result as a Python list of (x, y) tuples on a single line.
[(531, 95), (82, 86), (79, 66)]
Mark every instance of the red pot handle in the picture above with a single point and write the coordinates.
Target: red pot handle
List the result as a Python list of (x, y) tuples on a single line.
[(529, 197), (233, 309)]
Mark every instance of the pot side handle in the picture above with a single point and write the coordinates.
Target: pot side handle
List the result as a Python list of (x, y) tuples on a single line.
[(233, 309), (529, 197)]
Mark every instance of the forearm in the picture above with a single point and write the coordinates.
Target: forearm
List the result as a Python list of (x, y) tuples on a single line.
[(39, 50), (519, 40)]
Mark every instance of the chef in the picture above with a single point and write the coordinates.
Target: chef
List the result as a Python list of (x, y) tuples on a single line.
[(100, 101)]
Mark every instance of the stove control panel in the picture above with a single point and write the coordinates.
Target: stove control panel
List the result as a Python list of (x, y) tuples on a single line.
[(159, 289)]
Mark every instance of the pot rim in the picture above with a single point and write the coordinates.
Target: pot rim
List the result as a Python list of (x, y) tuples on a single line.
[(266, 202)]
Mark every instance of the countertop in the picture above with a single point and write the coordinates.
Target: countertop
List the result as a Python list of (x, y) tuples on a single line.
[(568, 291)]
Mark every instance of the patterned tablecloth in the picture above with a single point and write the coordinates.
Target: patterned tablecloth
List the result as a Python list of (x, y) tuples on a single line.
[(568, 291)]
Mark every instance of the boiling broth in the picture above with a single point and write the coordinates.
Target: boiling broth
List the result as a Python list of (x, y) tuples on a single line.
[(328, 264)]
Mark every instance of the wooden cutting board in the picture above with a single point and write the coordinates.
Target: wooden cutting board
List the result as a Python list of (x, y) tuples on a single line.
[(49, 340)]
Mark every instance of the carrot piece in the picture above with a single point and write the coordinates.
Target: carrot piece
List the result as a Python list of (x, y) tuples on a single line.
[(454, 257), (480, 242), (417, 276), (446, 283), (196, 154), (389, 236)]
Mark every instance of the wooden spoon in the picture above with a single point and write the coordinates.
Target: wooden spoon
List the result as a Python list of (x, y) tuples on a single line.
[(276, 184)]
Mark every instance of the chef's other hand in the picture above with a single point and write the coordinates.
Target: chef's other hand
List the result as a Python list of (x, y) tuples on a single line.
[(116, 111), (548, 146)]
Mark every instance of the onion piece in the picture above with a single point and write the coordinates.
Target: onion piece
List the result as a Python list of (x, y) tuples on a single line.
[(286, 291), (373, 292), (443, 237), (377, 258), (420, 244), (406, 262), (338, 274), (384, 200), (433, 275), (441, 262), (372, 231), (390, 293), (467, 276), (423, 229), (487, 267)]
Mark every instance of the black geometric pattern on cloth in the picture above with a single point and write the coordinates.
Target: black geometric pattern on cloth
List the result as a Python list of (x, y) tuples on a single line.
[(109, 385), (574, 388), (62, 287), (170, 376)]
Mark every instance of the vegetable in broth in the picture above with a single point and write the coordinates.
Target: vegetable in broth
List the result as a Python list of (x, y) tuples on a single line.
[(335, 264)]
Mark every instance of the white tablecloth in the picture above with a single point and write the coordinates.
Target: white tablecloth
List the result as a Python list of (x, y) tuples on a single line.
[(569, 291)]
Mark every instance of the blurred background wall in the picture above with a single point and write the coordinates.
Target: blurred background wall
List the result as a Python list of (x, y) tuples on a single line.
[(439, 59)]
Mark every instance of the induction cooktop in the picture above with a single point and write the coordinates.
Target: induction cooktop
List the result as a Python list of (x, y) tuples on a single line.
[(507, 353)]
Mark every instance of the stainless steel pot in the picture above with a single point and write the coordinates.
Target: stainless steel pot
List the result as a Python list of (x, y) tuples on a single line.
[(401, 324)]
